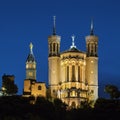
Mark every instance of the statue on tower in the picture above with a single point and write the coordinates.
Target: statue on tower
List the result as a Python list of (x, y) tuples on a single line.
[(31, 48)]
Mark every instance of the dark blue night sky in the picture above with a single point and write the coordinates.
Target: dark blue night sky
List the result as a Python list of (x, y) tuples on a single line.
[(25, 21)]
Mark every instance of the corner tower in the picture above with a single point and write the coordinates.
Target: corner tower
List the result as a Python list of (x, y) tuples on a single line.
[(92, 65), (31, 65), (54, 60)]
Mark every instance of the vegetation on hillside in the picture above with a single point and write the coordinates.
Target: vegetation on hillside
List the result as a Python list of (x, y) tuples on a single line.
[(20, 108), (17, 107)]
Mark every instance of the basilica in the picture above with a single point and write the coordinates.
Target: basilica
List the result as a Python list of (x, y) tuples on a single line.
[(72, 74)]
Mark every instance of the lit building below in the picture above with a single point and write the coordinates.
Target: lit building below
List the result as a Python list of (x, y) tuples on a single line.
[(31, 86), (72, 74)]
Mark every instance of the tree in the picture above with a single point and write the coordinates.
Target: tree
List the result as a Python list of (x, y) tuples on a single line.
[(8, 85), (113, 91), (85, 105), (59, 104)]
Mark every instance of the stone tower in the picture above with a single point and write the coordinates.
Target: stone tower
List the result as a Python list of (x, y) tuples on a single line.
[(92, 65), (31, 65), (54, 61), (31, 86)]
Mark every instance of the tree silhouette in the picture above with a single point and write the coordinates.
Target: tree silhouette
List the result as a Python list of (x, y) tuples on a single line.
[(8, 85), (113, 91)]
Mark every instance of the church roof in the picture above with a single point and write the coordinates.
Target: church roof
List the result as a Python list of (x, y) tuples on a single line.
[(30, 58), (73, 49)]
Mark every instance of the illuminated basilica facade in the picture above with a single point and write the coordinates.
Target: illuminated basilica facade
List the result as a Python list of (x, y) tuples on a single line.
[(72, 74)]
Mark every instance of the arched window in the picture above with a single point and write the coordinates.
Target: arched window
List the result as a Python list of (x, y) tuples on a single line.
[(92, 49), (39, 87), (79, 73), (73, 105), (73, 93), (73, 73), (67, 73), (57, 48), (54, 47), (50, 47)]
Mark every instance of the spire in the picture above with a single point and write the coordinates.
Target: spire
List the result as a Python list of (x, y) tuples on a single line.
[(92, 28), (54, 25), (31, 48), (31, 56), (73, 43)]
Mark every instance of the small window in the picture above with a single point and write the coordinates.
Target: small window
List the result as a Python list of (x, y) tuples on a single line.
[(30, 88), (39, 87), (73, 105), (92, 91), (53, 91), (73, 94), (50, 47)]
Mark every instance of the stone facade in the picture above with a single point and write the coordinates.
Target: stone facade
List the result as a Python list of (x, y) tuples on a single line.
[(31, 86), (73, 74)]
